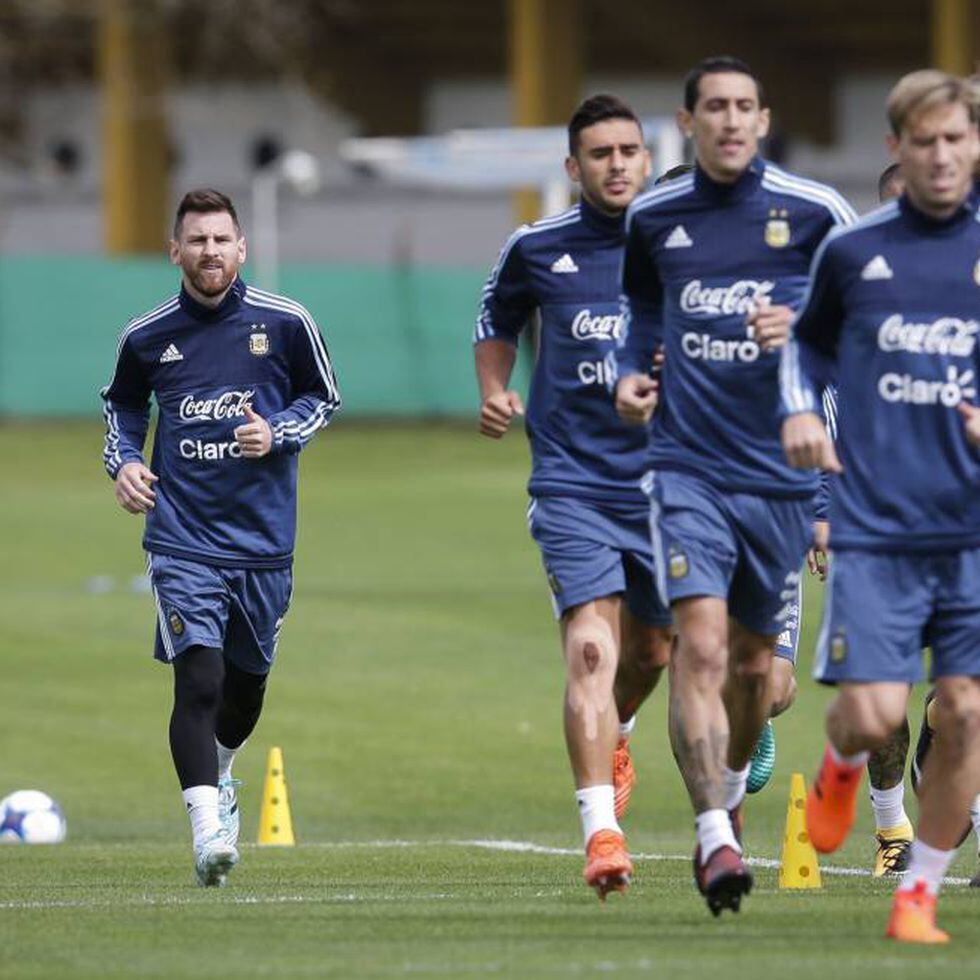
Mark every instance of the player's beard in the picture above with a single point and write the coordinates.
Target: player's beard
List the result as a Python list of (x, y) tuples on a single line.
[(213, 280)]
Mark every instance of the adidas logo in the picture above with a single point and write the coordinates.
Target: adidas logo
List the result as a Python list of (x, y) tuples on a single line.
[(171, 354), (565, 264), (678, 238), (877, 268)]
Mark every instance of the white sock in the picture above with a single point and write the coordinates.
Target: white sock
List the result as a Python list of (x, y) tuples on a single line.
[(734, 782), (975, 818), (626, 727), (597, 810), (714, 829), (855, 761), (926, 864), (225, 758), (202, 808), (889, 808)]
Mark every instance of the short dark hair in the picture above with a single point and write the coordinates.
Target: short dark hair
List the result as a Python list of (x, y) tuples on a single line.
[(597, 108), (204, 200), (668, 175), (716, 65), (888, 176)]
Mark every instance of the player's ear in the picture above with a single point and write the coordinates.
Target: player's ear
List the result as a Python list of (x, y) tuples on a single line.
[(685, 122), (647, 164), (765, 120), (573, 170), (242, 250), (174, 249), (891, 141)]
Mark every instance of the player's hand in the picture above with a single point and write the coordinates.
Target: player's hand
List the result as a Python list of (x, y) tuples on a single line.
[(498, 411), (636, 398), (769, 325), (971, 418), (816, 557), (134, 488), (255, 436), (807, 445)]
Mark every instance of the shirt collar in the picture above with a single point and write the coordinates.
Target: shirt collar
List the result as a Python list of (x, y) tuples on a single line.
[(199, 311), (607, 224), (746, 182), (970, 207)]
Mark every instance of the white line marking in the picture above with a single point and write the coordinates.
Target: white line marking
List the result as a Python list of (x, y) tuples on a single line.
[(489, 844)]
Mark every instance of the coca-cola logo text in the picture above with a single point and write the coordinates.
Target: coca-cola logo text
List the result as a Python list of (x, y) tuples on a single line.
[(230, 405), (585, 326), (738, 298), (948, 335)]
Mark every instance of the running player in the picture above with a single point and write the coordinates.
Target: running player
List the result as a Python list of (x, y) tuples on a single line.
[(242, 382), (892, 313), (714, 264), (587, 511)]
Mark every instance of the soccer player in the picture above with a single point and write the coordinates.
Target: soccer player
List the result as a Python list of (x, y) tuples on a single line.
[(783, 677), (587, 513), (714, 264), (242, 381), (894, 314)]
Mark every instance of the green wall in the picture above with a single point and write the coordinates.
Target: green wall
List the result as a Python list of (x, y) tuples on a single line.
[(399, 338)]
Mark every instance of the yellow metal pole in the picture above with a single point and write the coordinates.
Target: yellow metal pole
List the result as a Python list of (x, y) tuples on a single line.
[(954, 46), (545, 64), (136, 192)]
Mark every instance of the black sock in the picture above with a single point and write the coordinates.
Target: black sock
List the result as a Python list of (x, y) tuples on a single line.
[(198, 676), (241, 704)]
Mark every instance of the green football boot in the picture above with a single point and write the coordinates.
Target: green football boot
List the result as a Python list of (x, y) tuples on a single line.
[(763, 760)]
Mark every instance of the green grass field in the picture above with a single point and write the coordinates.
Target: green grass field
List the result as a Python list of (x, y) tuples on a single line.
[(417, 701)]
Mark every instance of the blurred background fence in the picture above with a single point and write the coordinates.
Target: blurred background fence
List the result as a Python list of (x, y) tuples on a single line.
[(399, 336)]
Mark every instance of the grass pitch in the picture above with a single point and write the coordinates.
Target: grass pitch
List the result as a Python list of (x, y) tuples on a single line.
[(417, 701)]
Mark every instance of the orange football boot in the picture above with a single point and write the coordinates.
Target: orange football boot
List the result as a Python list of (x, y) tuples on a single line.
[(607, 864), (831, 803), (624, 777), (913, 918)]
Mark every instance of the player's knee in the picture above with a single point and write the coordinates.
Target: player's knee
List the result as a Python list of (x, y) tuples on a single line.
[(959, 712), (589, 650), (784, 689), (703, 653)]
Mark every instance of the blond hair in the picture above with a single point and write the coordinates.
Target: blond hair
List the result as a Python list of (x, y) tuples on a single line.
[(925, 89)]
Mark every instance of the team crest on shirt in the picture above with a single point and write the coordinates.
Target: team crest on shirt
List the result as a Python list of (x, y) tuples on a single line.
[(777, 228), (677, 566), (258, 340), (838, 647), (176, 623)]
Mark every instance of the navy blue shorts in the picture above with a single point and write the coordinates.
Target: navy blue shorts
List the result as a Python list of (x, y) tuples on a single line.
[(741, 547), (237, 610), (593, 550), (883, 608)]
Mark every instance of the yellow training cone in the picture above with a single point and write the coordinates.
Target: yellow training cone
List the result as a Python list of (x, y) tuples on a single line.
[(798, 868), (275, 823)]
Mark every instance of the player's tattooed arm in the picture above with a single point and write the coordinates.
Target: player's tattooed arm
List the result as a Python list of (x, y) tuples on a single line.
[(699, 759), (886, 766)]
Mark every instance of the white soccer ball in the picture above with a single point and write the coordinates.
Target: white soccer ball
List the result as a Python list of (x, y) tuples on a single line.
[(31, 817)]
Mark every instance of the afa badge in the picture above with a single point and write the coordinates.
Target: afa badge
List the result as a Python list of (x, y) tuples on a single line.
[(677, 566), (258, 344), (176, 623), (838, 647), (777, 228)]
